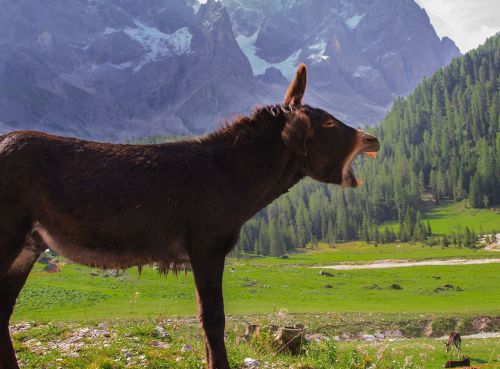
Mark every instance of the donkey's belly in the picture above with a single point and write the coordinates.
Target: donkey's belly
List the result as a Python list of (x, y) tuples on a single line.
[(114, 254)]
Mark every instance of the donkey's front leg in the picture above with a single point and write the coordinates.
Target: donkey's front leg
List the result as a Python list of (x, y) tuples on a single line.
[(208, 278)]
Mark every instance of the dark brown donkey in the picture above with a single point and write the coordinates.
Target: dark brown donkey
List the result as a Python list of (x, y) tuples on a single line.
[(117, 206)]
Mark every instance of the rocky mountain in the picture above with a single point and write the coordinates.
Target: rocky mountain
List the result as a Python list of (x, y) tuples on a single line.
[(120, 69), (364, 52)]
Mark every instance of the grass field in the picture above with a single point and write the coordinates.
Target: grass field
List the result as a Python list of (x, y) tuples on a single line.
[(135, 344), (261, 289), (75, 294), (261, 285), (360, 252)]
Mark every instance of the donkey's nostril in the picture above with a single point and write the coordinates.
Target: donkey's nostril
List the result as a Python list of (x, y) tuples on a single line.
[(370, 139)]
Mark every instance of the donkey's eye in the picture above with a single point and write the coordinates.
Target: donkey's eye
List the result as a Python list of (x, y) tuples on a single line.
[(330, 123)]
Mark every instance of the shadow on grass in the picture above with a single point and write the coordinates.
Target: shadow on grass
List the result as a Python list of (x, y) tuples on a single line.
[(478, 361)]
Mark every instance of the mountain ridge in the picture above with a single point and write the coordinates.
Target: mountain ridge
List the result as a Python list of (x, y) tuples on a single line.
[(121, 70)]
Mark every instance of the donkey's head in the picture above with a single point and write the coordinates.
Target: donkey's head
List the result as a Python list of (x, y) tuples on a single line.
[(326, 145)]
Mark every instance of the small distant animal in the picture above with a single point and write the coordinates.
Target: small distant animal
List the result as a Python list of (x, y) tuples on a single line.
[(458, 363), (453, 340), (252, 330)]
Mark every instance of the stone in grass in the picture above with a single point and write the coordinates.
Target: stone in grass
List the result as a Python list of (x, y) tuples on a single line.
[(251, 363), (325, 274), (316, 337), (159, 332), (51, 268), (368, 337), (396, 286), (186, 348), (345, 336), (448, 288), (328, 286), (379, 336), (102, 325), (160, 345)]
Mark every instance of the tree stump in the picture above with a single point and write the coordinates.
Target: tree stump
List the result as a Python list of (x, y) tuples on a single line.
[(290, 339)]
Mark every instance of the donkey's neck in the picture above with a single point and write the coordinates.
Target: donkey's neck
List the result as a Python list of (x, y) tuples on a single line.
[(251, 154)]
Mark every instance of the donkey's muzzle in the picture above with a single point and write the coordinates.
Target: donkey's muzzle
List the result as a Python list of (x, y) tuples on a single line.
[(370, 145)]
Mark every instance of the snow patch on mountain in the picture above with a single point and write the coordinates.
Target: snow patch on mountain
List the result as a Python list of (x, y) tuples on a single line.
[(365, 71), (121, 66), (158, 44), (287, 67), (109, 30), (353, 22), (196, 4), (387, 55), (318, 50)]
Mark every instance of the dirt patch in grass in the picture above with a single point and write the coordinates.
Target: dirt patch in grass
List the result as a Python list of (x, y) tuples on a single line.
[(383, 264)]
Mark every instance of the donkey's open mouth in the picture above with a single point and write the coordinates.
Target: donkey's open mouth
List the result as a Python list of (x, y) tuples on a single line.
[(366, 144)]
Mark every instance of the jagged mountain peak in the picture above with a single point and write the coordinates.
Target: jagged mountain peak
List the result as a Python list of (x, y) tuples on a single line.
[(370, 51)]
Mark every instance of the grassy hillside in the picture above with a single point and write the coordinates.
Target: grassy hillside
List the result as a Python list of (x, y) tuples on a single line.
[(455, 216)]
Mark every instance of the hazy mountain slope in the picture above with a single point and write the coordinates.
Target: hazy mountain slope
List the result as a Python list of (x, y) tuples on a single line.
[(125, 69), (115, 69)]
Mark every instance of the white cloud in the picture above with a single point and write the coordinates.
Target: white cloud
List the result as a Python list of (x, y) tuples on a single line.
[(467, 22)]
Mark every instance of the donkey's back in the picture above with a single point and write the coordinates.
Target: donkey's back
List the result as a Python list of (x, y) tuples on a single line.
[(101, 204)]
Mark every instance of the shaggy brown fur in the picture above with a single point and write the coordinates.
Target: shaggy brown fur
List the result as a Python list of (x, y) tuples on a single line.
[(174, 204)]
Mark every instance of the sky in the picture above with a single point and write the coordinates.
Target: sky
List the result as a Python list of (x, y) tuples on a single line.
[(467, 22)]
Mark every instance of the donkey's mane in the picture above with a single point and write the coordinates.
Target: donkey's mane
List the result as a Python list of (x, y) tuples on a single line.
[(243, 128)]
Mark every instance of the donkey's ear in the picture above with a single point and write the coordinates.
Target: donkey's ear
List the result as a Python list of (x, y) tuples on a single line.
[(297, 131), (297, 88)]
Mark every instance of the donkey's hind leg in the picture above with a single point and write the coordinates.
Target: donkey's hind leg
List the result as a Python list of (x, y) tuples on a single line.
[(11, 283)]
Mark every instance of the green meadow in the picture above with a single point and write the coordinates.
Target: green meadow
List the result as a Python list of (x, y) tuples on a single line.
[(262, 285), (135, 344), (264, 290), (361, 252)]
